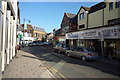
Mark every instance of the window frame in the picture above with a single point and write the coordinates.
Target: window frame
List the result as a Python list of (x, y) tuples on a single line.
[(82, 16), (117, 4), (81, 26), (110, 6)]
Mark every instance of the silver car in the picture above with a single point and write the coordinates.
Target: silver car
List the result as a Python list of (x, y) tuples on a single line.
[(83, 53), (60, 48)]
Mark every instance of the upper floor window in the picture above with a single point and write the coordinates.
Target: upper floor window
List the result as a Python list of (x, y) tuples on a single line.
[(111, 6), (81, 16), (81, 26), (118, 4)]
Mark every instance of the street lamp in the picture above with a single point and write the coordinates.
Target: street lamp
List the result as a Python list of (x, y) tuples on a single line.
[(25, 28)]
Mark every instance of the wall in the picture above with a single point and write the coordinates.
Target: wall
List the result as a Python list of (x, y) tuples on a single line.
[(40, 34), (95, 19), (112, 14), (83, 21)]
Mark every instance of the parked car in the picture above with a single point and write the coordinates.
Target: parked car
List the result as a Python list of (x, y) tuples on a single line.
[(39, 44), (60, 48), (46, 43), (30, 44), (82, 53), (42, 43), (35, 43)]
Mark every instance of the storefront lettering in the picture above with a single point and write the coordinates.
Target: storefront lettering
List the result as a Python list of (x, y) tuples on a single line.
[(96, 34), (72, 36)]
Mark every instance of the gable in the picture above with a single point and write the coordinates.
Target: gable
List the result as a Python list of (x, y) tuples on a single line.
[(81, 10), (65, 18)]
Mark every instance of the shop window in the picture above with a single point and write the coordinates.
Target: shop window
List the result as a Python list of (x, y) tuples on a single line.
[(117, 4), (110, 6)]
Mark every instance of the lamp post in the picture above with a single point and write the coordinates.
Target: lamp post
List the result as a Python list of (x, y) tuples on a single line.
[(25, 28)]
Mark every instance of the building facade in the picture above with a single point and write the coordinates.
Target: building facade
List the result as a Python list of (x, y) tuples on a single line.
[(25, 35), (8, 24), (68, 24), (38, 33), (98, 29), (49, 37)]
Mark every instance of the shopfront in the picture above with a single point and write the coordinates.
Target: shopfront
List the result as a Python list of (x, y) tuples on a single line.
[(111, 38), (59, 39), (105, 41)]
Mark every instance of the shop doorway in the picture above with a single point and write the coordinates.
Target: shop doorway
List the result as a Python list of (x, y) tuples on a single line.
[(95, 45), (74, 43), (112, 49)]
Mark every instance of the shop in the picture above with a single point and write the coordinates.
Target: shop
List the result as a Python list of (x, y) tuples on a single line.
[(111, 39), (59, 39), (104, 41)]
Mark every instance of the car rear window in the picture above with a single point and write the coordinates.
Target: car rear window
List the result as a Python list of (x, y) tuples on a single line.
[(89, 50), (79, 49)]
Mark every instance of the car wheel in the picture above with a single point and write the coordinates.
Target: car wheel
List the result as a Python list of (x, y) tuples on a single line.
[(68, 54), (59, 52), (83, 58)]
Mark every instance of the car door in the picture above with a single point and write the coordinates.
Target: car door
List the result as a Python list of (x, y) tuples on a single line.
[(79, 52), (73, 52)]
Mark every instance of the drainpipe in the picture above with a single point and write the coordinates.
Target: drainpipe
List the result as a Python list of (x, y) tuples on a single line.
[(102, 39)]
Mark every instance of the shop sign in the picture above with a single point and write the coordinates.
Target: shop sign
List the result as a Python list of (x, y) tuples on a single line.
[(113, 32), (72, 35), (91, 34)]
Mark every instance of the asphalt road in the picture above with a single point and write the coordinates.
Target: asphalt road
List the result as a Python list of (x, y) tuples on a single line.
[(70, 67)]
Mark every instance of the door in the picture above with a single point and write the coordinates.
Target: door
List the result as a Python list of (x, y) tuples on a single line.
[(79, 52)]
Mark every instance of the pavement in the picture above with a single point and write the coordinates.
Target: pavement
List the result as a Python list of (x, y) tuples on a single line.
[(41, 62), (26, 65)]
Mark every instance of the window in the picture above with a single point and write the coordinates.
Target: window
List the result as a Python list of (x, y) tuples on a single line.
[(81, 26), (118, 4), (78, 49), (111, 6), (81, 16)]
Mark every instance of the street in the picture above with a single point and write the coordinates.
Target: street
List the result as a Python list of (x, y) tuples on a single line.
[(69, 67)]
